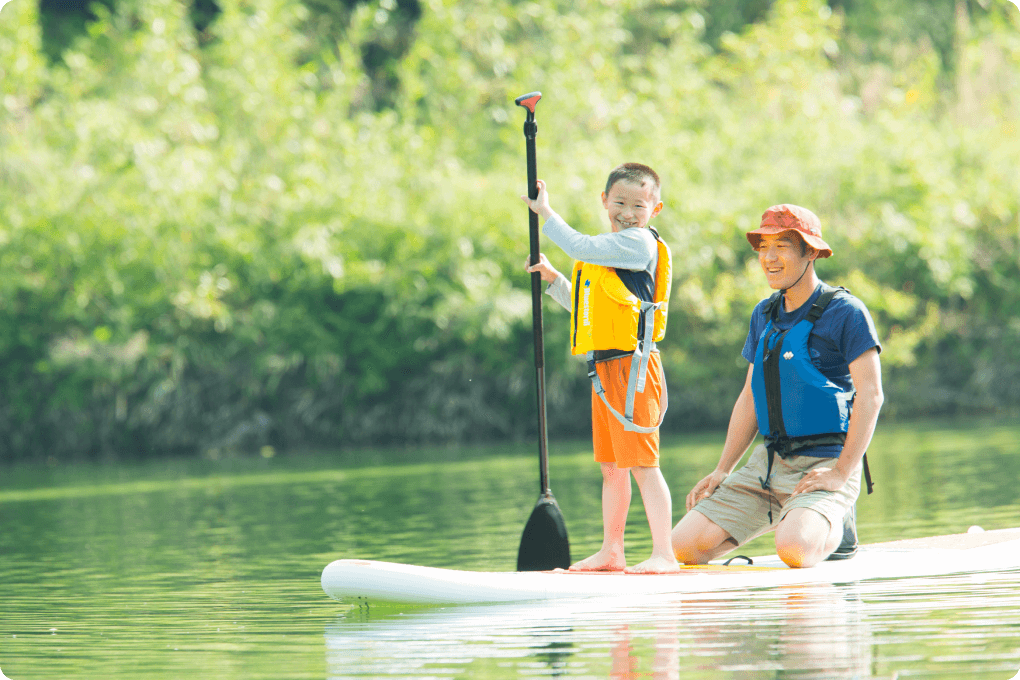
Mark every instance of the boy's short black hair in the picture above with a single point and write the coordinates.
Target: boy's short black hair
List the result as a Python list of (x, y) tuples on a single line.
[(634, 173)]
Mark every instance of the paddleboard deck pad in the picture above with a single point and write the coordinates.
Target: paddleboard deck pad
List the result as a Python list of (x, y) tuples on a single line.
[(368, 581)]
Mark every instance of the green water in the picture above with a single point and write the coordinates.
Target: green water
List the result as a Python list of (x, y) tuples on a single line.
[(210, 569)]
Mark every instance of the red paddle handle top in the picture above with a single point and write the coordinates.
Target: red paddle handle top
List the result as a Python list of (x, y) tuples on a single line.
[(529, 101)]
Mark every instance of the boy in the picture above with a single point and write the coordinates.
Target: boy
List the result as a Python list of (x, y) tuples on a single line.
[(617, 297)]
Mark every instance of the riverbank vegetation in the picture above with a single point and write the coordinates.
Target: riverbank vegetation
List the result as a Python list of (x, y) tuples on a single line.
[(272, 223)]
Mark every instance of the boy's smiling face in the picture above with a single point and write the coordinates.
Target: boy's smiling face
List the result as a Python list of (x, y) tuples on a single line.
[(631, 205)]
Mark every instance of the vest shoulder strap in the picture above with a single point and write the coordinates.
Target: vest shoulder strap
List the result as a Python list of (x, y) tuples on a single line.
[(772, 306), (640, 284), (828, 292)]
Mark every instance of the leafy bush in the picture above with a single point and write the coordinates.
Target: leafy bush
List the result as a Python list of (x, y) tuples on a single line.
[(245, 242)]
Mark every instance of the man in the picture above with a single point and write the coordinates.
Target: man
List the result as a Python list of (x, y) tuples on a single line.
[(814, 391)]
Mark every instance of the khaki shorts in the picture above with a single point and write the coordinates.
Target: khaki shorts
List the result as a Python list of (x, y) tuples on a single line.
[(741, 507), (612, 443)]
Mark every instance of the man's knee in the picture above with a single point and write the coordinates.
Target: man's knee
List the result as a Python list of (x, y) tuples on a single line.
[(803, 538), (697, 539), (796, 554)]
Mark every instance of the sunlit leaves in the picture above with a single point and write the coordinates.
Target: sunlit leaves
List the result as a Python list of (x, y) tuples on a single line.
[(268, 232)]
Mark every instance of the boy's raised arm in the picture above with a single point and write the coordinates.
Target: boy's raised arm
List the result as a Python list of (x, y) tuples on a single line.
[(628, 249)]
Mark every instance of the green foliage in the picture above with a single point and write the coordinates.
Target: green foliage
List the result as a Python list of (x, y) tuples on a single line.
[(246, 237)]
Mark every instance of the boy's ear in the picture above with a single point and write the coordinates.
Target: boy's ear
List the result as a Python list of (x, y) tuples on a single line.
[(655, 210), (605, 200)]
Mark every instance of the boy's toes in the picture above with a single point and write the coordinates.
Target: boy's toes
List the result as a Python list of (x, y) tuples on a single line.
[(655, 565), (601, 561)]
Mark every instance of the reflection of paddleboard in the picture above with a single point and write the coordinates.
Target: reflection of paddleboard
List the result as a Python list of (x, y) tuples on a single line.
[(370, 581)]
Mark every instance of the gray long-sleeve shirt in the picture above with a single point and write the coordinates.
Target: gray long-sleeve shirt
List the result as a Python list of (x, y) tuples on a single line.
[(633, 249)]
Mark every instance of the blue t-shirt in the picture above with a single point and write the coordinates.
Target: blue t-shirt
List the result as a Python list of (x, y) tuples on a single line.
[(842, 333)]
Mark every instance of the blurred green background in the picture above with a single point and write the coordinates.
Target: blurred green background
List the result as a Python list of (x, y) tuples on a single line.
[(242, 225)]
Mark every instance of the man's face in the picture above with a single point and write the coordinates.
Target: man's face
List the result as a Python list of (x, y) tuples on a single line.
[(630, 205), (783, 258)]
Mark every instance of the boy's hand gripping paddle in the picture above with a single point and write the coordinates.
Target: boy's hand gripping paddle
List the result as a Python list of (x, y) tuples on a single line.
[(544, 544)]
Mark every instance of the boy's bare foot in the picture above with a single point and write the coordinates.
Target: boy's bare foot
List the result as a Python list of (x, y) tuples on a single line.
[(655, 565), (603, 560)]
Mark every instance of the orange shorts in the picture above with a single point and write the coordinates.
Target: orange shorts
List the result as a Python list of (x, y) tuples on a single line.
[(613, 443)]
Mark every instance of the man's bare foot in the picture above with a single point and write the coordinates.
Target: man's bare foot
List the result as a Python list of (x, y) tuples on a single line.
[(655, 564), (603, 560)]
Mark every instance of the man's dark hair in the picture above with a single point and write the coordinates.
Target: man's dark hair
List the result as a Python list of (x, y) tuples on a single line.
[(634, 173), (796, 238), (803, 244)]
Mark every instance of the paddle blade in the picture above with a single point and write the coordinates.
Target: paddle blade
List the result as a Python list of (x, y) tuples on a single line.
[(544, 544)]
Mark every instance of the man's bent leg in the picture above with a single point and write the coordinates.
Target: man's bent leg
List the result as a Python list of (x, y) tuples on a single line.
[(805, 537), (698, 540), (848, 545)]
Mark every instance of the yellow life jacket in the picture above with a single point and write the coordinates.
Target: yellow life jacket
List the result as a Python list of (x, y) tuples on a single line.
[(606, 313)]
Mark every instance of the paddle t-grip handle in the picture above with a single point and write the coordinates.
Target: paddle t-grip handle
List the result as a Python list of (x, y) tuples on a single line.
[(529, 101)]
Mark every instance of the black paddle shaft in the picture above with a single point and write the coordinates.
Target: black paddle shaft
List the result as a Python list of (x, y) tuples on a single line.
[(544, 543), (528, 101)]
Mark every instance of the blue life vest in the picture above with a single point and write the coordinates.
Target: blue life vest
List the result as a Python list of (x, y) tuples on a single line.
[(796, 405)]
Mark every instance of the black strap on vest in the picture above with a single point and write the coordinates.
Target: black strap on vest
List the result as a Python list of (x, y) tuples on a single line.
[(641, 284), (782, 444)]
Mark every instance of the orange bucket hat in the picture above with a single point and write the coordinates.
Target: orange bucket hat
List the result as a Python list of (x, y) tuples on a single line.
[(786, 217)]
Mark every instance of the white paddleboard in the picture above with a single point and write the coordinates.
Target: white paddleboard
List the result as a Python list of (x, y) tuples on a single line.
[(368, 581)]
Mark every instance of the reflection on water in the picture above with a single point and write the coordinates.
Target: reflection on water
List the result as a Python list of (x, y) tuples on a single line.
[(147, 572), (954, 627)]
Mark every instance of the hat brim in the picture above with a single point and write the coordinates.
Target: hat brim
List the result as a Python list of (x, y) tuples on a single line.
[(816, 242)]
